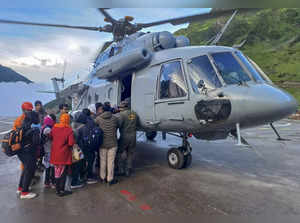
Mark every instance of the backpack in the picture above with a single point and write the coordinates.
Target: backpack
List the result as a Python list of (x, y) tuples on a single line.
[(93, 138), (12, 142), (43, 136)]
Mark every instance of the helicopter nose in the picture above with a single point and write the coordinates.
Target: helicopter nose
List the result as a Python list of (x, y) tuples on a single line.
[(262, 104)]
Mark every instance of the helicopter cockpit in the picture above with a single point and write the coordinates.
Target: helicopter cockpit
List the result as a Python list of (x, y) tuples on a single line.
[(221, 68)]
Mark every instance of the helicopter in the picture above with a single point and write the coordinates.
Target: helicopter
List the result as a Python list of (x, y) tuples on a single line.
[(209, 92)]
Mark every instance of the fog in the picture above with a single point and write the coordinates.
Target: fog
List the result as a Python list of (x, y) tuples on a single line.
[(12, 95)]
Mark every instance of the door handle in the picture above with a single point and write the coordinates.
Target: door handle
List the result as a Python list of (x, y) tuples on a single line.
[(176, 103), (152, 123)]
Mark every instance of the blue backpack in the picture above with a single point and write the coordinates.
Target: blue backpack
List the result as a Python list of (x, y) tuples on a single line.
[(93, 138)]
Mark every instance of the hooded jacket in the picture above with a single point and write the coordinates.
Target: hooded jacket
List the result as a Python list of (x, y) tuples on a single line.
[(86, 124), (109, 125), (62, 142)]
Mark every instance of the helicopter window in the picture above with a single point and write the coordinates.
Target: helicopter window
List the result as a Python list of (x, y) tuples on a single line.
[(200, 68), (112, 52), (249, 66), (118, 50), (229, 68), (109, 94), (172, 84)]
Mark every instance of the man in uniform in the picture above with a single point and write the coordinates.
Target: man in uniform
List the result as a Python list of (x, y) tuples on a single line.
[(127, 126)]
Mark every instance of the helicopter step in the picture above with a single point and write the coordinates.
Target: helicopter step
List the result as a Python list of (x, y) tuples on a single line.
[(181, 157)]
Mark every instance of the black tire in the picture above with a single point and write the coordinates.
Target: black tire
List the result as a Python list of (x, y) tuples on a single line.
[(187, 161), (151, 135), (175, 158)]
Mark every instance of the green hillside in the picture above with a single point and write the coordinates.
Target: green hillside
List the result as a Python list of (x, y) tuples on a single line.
[(273, 41)]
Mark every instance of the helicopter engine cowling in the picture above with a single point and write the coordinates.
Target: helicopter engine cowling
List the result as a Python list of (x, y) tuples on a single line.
[(118, 65)]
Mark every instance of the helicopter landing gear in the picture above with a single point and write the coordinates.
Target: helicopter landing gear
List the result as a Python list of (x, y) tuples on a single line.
[(179, 158)]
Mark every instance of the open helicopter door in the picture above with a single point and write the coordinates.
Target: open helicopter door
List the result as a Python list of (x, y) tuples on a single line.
[(143, 94), (172, 95)]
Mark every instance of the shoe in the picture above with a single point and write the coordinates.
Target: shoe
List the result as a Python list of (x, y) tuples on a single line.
[(91, 181), (76, 186), (47, 185), (112, 182), (64, 193), (19, 191), (27, 195), (52, 186)]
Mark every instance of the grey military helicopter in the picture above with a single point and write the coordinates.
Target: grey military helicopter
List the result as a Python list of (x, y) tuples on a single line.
[(208, 92)]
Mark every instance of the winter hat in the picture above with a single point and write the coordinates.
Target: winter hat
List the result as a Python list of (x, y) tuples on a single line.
[(27, 106), (48, 121), (92, 108)]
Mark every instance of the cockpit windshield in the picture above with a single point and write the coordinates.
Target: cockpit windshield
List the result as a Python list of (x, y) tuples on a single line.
[(201, 70), (249, 66), (229, 68)]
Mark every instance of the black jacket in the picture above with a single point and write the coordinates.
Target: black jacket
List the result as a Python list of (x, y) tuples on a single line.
[(31, 136), (86, 124)]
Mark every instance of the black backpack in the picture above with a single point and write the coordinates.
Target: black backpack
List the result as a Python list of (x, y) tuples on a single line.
[(93, 138), (12, 142)]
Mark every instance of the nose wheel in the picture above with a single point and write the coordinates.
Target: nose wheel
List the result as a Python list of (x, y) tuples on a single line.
[(179, 158)]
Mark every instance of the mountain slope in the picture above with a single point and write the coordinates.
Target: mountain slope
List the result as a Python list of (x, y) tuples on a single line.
[(9, 75), (273, 41)]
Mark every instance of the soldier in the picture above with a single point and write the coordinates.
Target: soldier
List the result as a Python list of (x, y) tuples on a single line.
[(128, 120)]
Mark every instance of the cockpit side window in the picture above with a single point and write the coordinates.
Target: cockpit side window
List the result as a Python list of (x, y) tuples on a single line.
[(172, 84), (249, 66), (229, 68), (200, 69)]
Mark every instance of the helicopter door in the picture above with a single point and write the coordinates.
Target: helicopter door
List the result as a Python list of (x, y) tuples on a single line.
[(172, 94), (143, 94)]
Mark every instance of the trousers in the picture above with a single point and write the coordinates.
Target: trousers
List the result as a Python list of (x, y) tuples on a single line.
[(107, 162), (29, 162)]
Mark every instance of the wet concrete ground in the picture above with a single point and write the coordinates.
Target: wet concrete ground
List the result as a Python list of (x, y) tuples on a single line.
[(224, 179)]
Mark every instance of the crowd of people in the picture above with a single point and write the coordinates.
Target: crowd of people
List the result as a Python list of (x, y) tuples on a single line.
[(73, 151)]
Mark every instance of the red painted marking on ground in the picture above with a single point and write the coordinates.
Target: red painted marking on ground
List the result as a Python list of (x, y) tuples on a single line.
[(125, 192), (132, 198), (145, 207)]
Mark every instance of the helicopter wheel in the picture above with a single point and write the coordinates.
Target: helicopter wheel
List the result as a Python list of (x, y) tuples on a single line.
[(151, 135), (175, 158)]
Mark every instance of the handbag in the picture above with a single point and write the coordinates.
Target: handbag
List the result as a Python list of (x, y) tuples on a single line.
[(77, 154)]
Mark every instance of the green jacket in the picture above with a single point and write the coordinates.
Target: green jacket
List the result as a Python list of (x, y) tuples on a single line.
[(128, 121)]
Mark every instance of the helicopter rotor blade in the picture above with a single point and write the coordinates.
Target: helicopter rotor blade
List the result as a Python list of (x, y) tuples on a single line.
[(51, 25), (215, 13), (107, 15)]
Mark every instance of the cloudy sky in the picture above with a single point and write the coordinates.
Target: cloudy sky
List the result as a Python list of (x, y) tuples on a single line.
[(39, 53)]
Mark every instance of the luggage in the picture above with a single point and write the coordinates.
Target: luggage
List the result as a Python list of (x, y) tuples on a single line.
[(12, 142)]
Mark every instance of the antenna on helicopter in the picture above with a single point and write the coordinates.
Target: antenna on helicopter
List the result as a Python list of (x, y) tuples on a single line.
[(220, 34)]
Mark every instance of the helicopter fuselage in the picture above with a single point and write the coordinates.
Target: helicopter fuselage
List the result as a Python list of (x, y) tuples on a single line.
[(203, 90)]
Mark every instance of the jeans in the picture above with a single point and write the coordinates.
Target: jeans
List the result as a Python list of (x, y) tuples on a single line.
[(89, 157), (29, 162)]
